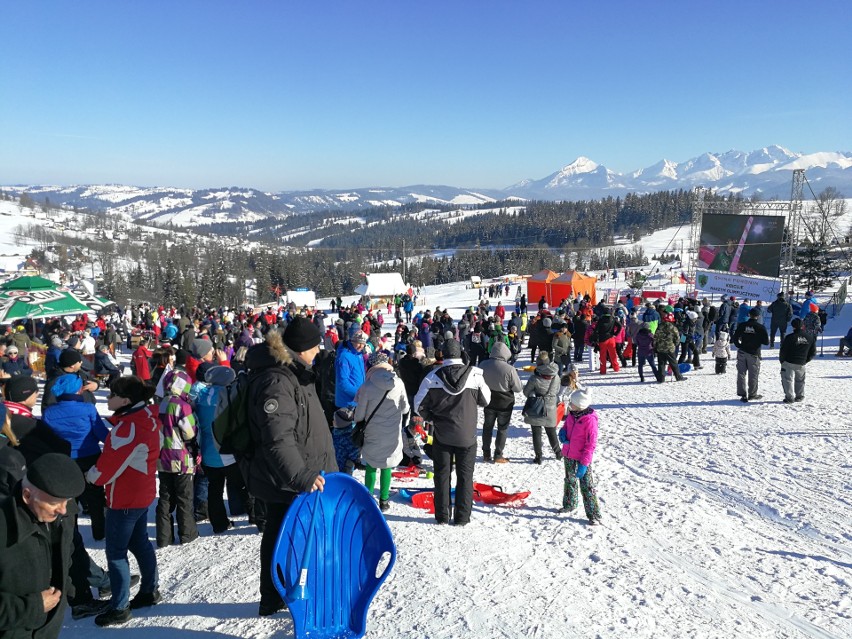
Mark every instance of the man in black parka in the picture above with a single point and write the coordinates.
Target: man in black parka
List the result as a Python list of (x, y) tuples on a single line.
[(292, 441)]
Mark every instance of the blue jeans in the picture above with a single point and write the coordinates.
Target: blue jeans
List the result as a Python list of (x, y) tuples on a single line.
[(650, 360), (128, 530)]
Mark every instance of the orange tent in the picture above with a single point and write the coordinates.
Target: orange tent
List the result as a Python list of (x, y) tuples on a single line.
[(569, 285), (537, 286)]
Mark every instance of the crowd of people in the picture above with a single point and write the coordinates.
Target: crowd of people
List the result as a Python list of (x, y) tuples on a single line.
[(320, 395)]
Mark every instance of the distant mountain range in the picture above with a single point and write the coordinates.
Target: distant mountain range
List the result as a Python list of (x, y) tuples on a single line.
[(767, 172)]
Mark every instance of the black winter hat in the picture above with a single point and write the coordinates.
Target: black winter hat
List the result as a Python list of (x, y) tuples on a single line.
[(452, 349), (58, 475), (69, 357), (19, 388), (301, 335)]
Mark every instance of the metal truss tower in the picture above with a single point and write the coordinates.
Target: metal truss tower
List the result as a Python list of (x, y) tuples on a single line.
[(791, 237), (695, 235)]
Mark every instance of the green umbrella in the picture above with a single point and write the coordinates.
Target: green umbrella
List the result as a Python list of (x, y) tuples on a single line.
[(35, 297), (28, 283)]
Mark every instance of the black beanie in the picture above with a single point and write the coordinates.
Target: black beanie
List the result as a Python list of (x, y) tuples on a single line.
[(58, 475), (301, 335), (69, 357)]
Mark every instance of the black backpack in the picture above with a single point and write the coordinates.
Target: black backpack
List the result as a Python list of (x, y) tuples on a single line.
[(231, 423)]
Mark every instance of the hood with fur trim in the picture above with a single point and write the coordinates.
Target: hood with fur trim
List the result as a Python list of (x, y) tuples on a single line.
[(272, 352)]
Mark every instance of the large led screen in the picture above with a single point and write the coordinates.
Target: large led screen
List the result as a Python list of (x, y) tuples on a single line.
[(748, 244)]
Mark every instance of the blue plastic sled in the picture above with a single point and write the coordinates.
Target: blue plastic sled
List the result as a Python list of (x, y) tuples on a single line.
[(407, 494), (330, 576)]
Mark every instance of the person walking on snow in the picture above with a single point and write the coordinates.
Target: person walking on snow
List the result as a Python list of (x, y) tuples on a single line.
[(666, 341)]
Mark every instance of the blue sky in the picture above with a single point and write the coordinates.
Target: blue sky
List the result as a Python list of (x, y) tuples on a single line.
[(286, 95)]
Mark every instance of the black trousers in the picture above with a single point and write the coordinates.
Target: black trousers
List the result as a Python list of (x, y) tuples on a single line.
[(237, 494), (93, 498), (776, 328), (85, 574), (552, 440), (176, 496), (275, 512), (619, 352), (664, 360), (502, 419), (464, 458)]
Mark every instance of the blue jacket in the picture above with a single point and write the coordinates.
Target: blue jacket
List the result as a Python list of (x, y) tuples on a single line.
[(425, 335), (806, 307), (18, 368), (725, 310), (349, 372), (77, 422), (206, 401), (170, 331), (742, 313), (650, 315), (104, 365)]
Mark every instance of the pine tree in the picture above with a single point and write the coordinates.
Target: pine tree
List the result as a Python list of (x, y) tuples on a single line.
[(169, 283)]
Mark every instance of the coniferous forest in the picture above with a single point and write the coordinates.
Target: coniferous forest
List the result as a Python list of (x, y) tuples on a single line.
[(328, 250)]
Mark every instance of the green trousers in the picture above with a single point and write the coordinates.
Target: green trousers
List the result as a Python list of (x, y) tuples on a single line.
[(384, 481)]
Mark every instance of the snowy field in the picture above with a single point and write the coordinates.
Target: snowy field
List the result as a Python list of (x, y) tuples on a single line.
[(718, 518)]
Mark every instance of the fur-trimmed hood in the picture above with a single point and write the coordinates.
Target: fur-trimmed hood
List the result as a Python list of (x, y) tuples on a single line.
[(272, 352)]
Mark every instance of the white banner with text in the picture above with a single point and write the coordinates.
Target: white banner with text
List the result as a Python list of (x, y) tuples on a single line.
[(750, 288)]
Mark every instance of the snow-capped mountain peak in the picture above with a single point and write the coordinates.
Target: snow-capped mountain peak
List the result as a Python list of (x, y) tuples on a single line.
[(766, 171), (580, 165), (662, 170)]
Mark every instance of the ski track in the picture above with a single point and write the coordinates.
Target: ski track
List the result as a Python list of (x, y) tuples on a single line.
[(719, 518)]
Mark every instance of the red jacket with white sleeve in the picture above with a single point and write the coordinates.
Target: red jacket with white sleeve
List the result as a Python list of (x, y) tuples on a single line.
[(127, 468)]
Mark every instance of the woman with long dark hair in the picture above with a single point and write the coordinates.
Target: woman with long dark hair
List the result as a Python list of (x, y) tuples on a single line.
[(127, 471)]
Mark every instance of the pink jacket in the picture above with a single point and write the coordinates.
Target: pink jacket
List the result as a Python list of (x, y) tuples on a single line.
[(582, 435)]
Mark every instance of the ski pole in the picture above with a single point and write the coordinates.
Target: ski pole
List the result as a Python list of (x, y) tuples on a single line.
[(299, 591)]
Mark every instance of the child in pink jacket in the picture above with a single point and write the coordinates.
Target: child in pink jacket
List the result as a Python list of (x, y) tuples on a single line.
[(579, 437)]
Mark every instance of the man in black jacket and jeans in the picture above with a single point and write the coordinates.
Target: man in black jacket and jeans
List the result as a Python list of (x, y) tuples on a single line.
[(748, 339), (292, 442), (448, 397), (797, 349)]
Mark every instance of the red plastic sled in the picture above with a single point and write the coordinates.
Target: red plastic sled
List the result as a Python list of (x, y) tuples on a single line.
[(495, 495), (409, 472), (424, 500)]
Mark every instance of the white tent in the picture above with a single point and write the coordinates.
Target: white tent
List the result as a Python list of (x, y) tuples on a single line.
[(382, 285), (301, 298)]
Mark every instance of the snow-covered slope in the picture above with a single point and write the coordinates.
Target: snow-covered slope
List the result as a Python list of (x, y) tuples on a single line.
[(187, 207)]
